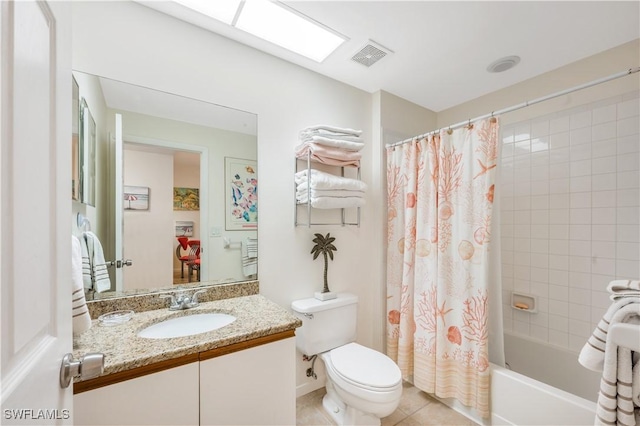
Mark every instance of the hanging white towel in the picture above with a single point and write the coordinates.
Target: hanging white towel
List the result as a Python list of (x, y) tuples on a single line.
[(635, 381), (79, 311), (99, 272), (592, 354), (615, 403), (249, 248), (86, 265), (623, 288)]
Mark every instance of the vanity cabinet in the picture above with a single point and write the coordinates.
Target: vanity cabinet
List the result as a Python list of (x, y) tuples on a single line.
[(169, 397), (255, 386), (249, 383)]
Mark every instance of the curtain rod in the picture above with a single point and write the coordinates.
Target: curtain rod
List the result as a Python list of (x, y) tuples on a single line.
[(524, 104)]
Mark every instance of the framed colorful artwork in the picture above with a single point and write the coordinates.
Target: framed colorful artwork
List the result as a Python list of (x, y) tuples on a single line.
[(241, 182), (186, 199)]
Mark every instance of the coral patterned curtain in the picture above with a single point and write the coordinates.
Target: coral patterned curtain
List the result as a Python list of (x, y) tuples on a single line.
[(440, 198)]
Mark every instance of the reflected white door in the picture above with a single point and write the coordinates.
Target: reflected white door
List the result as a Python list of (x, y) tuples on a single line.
[(35, 232), (119, 196)]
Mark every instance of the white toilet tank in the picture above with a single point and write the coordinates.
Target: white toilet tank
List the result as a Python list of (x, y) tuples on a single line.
[(325, 325)]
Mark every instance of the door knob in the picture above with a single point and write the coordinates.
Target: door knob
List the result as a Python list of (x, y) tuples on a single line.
[(124, 262), (89, 366)]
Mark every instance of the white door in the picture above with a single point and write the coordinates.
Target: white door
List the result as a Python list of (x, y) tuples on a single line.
[(119, 195), (35, 231)]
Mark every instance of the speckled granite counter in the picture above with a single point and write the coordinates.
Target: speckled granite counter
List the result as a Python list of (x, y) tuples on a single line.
[(255, 315)]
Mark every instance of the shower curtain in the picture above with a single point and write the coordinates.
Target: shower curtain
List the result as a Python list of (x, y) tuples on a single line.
[(440, 202)]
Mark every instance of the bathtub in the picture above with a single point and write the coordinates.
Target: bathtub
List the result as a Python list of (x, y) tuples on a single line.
[(517, 399)]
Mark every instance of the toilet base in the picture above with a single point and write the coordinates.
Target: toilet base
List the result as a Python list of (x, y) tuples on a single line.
[(343, 414)]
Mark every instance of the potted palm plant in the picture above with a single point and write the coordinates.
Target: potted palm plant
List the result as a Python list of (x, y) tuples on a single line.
[(324, 245)]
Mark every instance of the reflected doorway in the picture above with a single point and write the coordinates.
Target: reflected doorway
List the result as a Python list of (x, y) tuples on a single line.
[(163, 234)]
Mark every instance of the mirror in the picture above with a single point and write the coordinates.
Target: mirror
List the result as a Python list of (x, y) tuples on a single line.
[(188, 174)]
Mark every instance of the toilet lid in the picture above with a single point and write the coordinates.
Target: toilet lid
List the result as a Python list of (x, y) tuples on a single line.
[(365, 366)]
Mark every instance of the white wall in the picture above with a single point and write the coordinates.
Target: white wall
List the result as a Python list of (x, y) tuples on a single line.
[(129, 42)]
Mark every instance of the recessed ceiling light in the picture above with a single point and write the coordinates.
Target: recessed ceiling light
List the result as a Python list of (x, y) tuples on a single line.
[(223, 11), (503, 64), (278, 24)]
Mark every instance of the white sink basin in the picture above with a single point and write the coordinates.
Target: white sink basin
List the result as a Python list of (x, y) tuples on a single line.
[(186, 326)]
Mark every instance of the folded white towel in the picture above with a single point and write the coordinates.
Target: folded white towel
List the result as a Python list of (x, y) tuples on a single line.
[(79, 311), (99, 272), (307, 135), (615, 405), (335, 203), (321, 180), (592, 354), (337, 193), (333, 129), (336, 143), (623, 288)]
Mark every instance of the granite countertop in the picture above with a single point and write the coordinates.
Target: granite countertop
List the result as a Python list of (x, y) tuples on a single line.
[(256, 316)]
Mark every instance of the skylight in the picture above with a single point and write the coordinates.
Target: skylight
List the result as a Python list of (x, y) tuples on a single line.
[(274, 22)]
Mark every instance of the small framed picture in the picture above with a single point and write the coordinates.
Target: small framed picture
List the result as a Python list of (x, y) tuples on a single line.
[(136, 197)]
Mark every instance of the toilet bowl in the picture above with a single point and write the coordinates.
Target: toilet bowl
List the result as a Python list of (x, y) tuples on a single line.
[(363, 385)]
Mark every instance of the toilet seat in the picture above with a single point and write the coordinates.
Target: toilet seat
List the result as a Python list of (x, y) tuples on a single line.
[(364, 368)]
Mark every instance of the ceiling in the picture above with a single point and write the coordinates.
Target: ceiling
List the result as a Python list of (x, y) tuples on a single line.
[(441, 49)]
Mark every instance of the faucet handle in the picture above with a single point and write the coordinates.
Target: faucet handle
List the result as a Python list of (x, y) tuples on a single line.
[(169, 296), (194, 296)]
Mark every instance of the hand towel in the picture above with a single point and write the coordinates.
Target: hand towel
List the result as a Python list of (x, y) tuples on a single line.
[(328, 155), (615, 404), (592, 354), (79, 311), (321, 180), (99, 271), (249, 248), (333, 129), (623, 288), (87, 279), (335, 203)]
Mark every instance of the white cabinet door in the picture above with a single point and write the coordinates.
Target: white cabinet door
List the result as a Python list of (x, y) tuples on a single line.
[(169, 397), (256, 386)]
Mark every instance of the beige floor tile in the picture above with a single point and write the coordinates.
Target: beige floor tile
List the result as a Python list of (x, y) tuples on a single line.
[(436, 414), (416, 409)]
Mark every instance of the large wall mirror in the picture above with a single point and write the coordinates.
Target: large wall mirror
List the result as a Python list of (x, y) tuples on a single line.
[(170, 185)]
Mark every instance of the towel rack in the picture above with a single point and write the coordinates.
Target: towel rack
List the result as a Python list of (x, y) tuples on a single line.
[(226, 241), (625, 335)]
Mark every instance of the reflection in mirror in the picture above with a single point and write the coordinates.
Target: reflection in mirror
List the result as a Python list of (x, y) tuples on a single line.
[(173, 188), (87, 155), (75, 141)]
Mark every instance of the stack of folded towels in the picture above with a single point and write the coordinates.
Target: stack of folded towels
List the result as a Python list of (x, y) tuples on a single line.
[(325, 191), (335, 146)]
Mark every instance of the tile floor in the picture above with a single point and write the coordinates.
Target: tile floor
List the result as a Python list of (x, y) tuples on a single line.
[(416, 408)]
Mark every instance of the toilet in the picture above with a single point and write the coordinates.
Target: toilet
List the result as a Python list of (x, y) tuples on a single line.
[(363, 385)]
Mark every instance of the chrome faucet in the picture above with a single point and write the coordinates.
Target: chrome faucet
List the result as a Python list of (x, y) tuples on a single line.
[(182, 300)]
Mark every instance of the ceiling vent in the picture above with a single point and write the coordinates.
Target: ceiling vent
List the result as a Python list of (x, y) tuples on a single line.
[(503, 64), (371, 53)]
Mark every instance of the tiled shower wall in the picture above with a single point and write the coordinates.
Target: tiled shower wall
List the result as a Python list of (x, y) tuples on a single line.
[(570, 198)]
